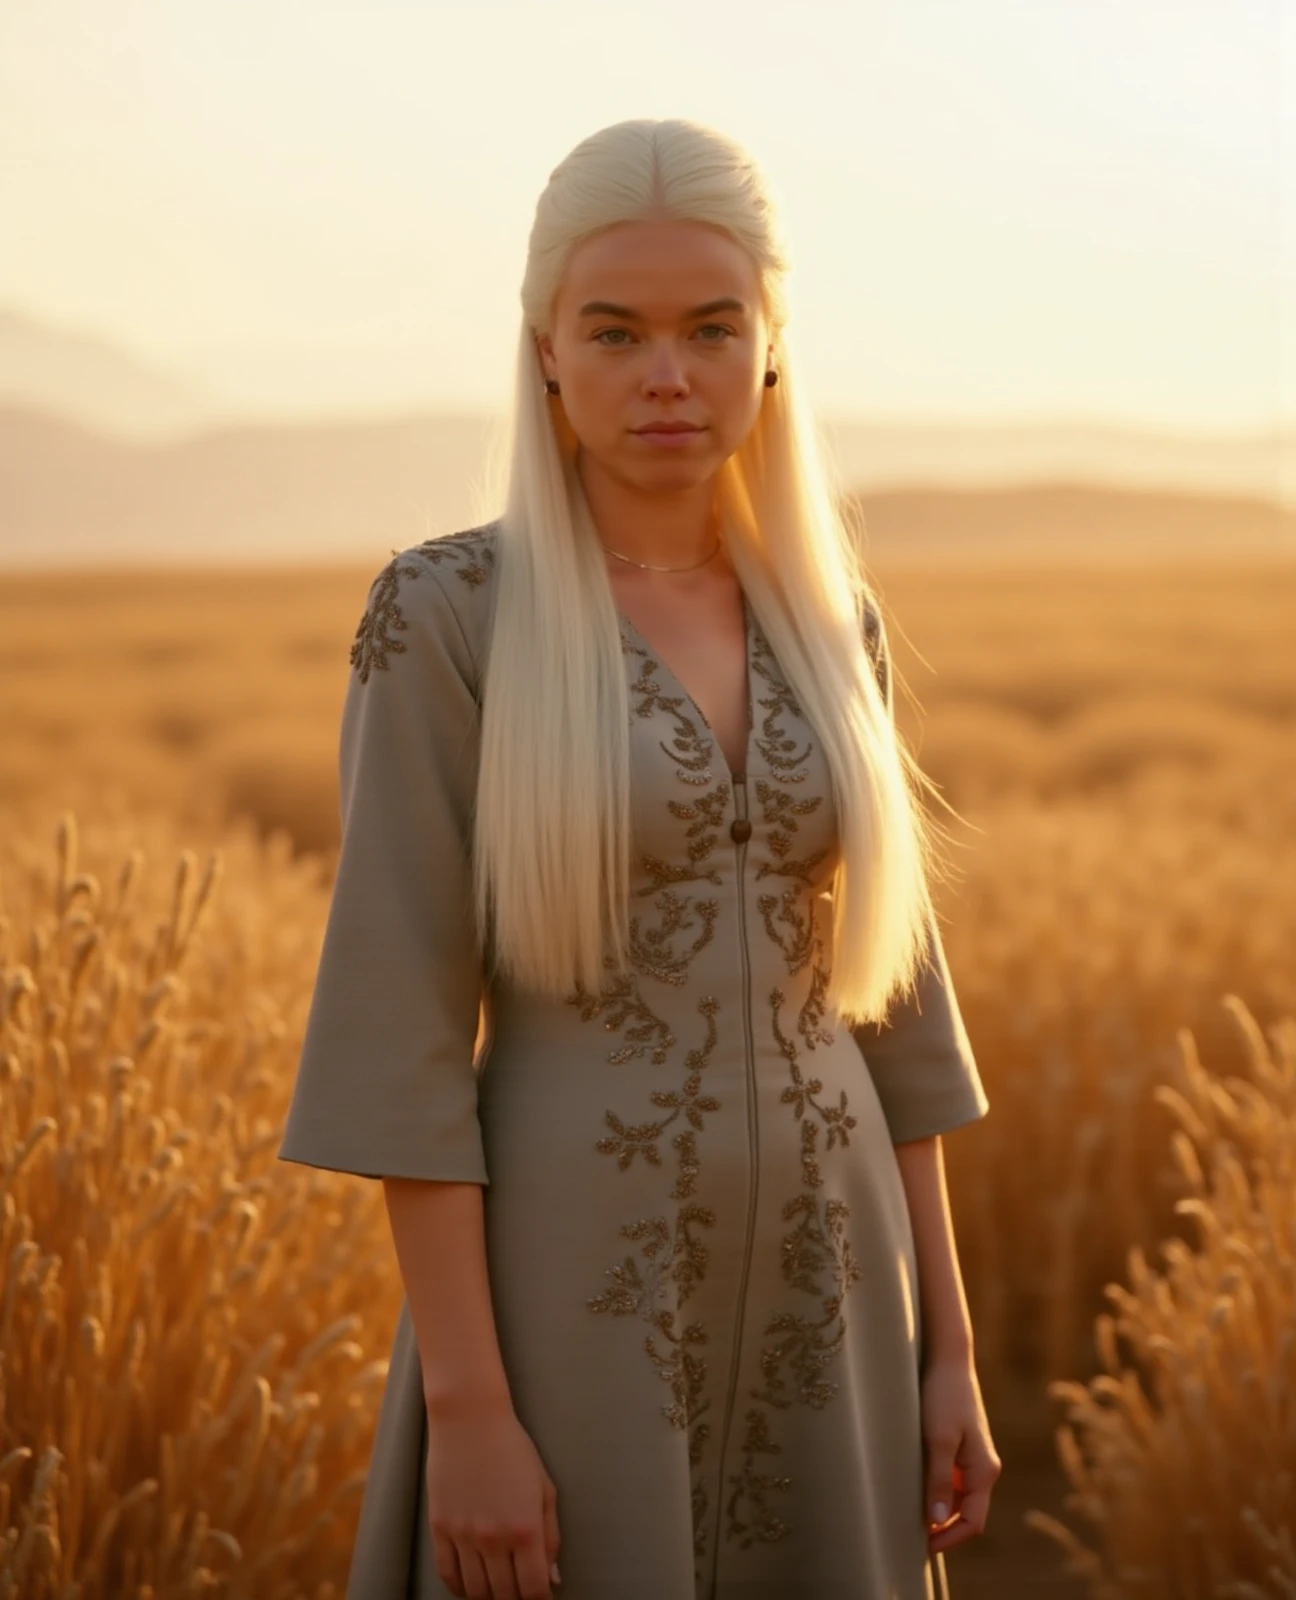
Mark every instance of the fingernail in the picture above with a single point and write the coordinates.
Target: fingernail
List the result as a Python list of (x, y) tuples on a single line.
[(554, 1574), (940, 1512)]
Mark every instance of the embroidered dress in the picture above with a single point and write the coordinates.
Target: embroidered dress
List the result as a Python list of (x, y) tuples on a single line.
[(700, 1253)]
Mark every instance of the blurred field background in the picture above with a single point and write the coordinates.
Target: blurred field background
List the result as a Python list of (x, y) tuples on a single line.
[(184, 1313)]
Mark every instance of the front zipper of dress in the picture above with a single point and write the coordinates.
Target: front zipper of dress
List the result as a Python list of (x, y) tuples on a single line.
[(753, 1143)]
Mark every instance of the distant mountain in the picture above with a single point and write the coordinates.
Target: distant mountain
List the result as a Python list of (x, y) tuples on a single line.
[(1073, 522), (355, 491), (905, 455), (321, 493), (90, 380), (71, 376)]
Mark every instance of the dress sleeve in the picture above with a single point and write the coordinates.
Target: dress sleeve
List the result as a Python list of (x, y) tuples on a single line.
[(386, 1085), (920, 1059)]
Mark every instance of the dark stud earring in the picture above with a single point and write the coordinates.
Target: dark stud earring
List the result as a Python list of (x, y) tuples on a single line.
[(771, 378), (551, 385)]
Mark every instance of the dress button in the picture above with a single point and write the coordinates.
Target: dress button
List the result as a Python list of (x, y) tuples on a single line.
[(740, 830)]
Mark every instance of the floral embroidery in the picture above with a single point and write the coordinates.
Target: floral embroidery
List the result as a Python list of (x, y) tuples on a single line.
[(373, 640), (777, 747), (671, 1256), (800, 1347), (708, 811), (690, 750), (651, 952), (799, 942), (689, 1102), (382, 617), (620, 997), (793, 1364), (780, 809), (815, 1253), (471, 550)]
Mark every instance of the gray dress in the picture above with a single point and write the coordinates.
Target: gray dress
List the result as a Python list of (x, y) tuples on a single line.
[(699, 1247)]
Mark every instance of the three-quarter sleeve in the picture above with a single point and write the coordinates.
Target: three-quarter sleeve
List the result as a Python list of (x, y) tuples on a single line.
[(920, 1058), (385, 1084)]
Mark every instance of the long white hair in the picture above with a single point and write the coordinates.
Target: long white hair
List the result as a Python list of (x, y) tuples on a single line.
[(551, 827)]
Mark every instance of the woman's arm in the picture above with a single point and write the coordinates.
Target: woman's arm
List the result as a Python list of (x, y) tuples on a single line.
[(960, 1462), (946, 1324), (441, 1247)]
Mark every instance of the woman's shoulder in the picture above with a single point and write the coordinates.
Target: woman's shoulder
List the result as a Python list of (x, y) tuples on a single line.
[(469, 554), (441, 583)]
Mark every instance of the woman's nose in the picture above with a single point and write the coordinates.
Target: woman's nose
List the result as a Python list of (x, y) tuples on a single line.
[(665, 371)]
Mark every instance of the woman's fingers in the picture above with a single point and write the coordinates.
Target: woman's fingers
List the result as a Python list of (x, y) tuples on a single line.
[(476, 1583), (446, 1560)]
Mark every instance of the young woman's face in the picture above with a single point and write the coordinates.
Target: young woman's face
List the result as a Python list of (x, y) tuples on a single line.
[(638, 337)]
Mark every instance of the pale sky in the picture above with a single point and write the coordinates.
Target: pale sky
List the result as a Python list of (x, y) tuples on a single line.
[(999, 210)]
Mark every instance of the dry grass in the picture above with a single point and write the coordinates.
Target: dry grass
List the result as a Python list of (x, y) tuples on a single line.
[(1183, 1461), (193, 1337), (1084, 937), (205, 693), (192, 1334)]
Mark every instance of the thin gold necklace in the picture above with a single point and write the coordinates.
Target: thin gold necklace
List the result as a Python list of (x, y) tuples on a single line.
[(649, 568)]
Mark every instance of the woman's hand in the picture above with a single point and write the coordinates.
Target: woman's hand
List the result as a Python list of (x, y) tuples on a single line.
[(492, 1507), (962, 1465)]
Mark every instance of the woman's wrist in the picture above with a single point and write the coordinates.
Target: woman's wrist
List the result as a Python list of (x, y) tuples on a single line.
[(484, 1395)]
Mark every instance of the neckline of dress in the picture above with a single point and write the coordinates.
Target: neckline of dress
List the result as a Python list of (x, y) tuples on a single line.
[(749, 623)]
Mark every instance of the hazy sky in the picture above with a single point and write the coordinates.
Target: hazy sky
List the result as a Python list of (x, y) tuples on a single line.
[(1017, 210)]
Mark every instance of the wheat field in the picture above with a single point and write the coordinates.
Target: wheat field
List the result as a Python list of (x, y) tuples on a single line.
[(193, 1334)]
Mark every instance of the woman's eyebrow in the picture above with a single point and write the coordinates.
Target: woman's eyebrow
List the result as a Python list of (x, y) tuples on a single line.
[(607, 308)]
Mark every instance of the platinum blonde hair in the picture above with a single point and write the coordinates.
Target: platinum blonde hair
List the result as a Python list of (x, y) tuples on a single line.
[(552, 820)]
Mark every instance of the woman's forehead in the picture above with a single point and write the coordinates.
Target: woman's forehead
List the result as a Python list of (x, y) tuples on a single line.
[(659, 270)]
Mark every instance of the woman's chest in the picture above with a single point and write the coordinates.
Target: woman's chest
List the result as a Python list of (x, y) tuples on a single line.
[(706, 658), (687, 792)]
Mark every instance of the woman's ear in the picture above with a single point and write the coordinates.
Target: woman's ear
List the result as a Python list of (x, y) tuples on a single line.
[(544, 349)]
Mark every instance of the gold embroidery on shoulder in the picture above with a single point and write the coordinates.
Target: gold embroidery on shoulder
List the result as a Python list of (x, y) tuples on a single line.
[(382, 618), (472, 550)]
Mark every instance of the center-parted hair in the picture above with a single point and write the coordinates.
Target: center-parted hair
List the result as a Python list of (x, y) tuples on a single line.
[(552, 820)]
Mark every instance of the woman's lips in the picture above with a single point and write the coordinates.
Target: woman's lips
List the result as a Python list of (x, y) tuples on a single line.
[(669, 436)]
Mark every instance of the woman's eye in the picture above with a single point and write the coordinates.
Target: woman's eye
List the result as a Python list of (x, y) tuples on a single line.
[(718, 327)]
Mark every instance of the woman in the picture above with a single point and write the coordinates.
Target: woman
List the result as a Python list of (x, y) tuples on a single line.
[(683, 1315)]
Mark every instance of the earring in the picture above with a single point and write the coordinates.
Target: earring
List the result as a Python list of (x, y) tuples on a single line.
[(771, 378), (551, 385)]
